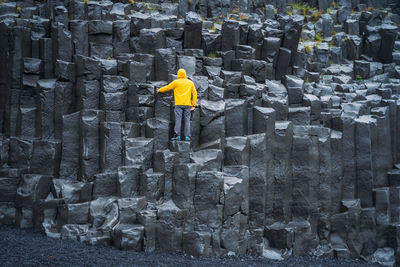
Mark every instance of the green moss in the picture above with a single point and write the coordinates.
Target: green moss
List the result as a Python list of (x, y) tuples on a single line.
[(302, 6), (244, 17), (318, 37), (212, 55), (358, 77)]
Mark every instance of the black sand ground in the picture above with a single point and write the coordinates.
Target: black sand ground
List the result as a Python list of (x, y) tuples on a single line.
[(26, 248)]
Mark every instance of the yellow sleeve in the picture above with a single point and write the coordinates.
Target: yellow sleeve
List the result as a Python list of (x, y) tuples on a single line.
[(167, 88), (194, 96)]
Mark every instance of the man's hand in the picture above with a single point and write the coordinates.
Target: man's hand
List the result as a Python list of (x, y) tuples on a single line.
[(157, 91), (192, 108)]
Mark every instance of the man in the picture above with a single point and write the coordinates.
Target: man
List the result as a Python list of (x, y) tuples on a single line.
[(185, 96)]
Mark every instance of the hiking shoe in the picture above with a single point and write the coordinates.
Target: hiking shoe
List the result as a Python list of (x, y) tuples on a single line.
[(176, 138), (187, 138)]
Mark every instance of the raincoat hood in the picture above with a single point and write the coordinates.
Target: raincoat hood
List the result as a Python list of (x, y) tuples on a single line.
[(181, 74)]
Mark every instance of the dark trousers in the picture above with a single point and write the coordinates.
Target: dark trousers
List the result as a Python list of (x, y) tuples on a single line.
[(185, 112)]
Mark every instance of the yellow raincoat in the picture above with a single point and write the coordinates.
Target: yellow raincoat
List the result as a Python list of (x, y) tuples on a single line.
[(185, 93)]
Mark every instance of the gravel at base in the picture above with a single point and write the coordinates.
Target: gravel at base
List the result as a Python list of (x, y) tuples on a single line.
[(20, 247)]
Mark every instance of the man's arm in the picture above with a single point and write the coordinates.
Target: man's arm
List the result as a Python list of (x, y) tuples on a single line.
[(194, 97), (167, 88)]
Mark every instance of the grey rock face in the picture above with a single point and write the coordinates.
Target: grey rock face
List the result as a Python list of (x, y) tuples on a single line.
[(236, 115), (139, 151), (211, 159), (128, 237), (45, 157), (192, 34), (230, 35), (211, 43), (79, 31), (325, 26), (183, 185), (236, 151), (45, 123), (152, 185), (89, 140), (31, 189), (282, 63), (362, 69), (74, 213), (151, 39), (354, 47), (295, 87), (257, 178), (165, 63), (69, 166), (8, 189), (159, 131), (352, 27), (388, 33), (209, 186), (72, 191), (294, 143), (264, 119), (105, 184), (121, 36), (365, 128), (103, 213)]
